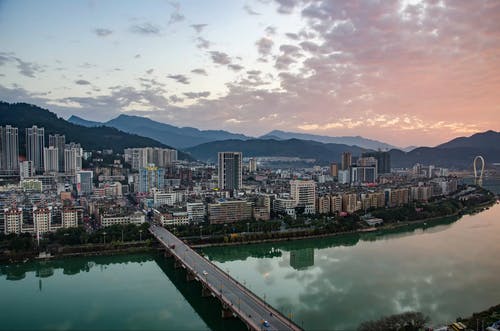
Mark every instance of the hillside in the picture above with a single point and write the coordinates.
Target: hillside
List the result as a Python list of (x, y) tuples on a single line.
[(324, 153), (22, 115), (164, 133), (346, 140), (479, 140), (83, 122)]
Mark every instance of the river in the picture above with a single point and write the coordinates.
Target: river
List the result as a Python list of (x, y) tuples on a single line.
[(445, 270)]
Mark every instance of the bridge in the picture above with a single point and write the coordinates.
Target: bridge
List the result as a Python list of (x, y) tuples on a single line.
[(236, 300)]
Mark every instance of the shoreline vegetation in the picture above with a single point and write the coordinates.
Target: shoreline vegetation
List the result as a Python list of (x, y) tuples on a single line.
[(124, 239)]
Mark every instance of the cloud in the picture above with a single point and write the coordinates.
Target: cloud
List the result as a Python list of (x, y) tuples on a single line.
[(196, 95), (176, 15), (175, 99), (202, 43), (250, 11), (146, 29), (220, 58), (103, 32), (264, 46), (28, 69), (137, 56), (149, 71), (270, 30), (286, 6), (235, 67), (82, 82), (198, 27), (179, 78), (199, 71), (292, 36)]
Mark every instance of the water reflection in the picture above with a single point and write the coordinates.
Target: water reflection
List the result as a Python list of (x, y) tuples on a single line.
[(301, 259)]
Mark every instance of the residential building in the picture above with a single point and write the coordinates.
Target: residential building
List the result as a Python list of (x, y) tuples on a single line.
[(336, 204), (35, 142), (344, 176), (9, 150), (70, 217), (230, 170), (50, 159), (346, 160), (383, 161), (26, 169), (42, 220), (58, 141), (324, 204), (72, 159), (13, 220), (349, 202), (252, 165), (334, 169), (150, 178)]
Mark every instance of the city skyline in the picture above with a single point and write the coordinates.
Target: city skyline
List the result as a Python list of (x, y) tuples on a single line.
[(404, 72)]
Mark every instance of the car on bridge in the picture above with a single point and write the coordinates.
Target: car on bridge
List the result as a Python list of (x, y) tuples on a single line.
[(205, 272), (265, 324)]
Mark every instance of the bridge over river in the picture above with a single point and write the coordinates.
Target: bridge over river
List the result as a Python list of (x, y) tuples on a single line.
[(236, 299)]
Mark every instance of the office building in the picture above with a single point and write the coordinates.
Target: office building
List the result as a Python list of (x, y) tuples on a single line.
[(58, 141), (84, 182), (361, 175), (383, 161), (303, 192), (346, 160), (230, 170), (151, 177), (35, 142), (50, 159), (229, 212), (9, 150)]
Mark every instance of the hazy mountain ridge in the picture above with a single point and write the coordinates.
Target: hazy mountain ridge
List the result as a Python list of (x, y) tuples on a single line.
[(346, 140), (178, 137)]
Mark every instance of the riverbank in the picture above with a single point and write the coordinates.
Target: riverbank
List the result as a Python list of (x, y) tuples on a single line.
[(81, 250), (382, 228)]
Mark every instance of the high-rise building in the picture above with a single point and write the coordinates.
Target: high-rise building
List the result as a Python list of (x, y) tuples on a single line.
[(252, 165), (42, 220), (13, 219), (230, 170), (35, 142), (151, 177), (9, 150), (58, 141), (141, 157), (383, 161), (303, 192), (84, 183), (50, 159), (72, 159), (334, 169), (346, 160)]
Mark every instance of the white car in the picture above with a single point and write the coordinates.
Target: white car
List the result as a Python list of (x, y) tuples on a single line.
[(205, 273)]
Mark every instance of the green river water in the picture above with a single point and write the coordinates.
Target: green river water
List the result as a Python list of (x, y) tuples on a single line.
[(448, 269)]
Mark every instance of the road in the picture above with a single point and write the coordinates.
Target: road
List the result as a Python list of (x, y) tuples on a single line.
[(249, 307)]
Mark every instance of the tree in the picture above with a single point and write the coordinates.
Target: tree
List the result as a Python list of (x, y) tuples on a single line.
[(409, 321)]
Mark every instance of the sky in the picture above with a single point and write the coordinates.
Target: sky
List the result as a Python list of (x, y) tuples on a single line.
[(410, 72)]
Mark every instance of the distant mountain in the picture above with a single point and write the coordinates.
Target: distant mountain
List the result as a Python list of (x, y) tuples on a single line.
[(165, 133), (22, 115), (479, 140), (83, 122), (306, 149), (457, 153), (409, 148), (346, 140), (486, 144)]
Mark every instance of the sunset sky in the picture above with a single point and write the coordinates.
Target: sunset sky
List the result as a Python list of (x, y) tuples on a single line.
[(404, 72)]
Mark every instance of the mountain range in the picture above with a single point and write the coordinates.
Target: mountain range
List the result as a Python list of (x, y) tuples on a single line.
[(185, 137), (22, 115), (164, 133)]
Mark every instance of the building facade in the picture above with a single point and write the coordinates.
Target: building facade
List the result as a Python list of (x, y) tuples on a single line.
[(9, 150), (230, 170)]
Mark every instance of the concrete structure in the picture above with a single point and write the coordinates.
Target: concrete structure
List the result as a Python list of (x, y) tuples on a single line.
[(478, 177), (230, 170), (151, 177), (35, 142), (304, 193), (196, 212), (26, 169), (84, 182), (235, 299), (229, 211), (58, 141), (9, 150), (50, 159), (13, 220), (72, 160), (346, 161)]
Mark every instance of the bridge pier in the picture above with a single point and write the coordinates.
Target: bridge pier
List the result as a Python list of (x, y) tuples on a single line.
[(226, 312), (190, 276), (205, 291)]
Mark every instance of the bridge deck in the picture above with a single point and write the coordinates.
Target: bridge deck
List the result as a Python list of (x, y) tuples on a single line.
[(233, 295)]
